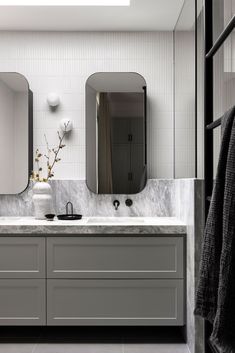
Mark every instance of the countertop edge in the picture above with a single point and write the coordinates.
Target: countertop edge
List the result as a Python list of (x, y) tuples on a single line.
[(92, 229)]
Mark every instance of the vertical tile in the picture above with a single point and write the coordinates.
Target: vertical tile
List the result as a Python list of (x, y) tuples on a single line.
[(184, 104), (63, 61)]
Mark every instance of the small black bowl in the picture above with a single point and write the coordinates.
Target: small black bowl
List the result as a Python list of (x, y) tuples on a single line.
[(50, 216)]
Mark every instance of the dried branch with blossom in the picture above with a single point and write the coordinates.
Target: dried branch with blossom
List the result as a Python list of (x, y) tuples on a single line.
[(50, 162)]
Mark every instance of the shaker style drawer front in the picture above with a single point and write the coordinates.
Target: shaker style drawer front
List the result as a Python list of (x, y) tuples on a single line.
[(22, 257), (22, 302), (115, 257), (115, 302)]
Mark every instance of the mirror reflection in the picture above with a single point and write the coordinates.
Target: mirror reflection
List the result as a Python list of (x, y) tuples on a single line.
[(14, 133), (116, 133)]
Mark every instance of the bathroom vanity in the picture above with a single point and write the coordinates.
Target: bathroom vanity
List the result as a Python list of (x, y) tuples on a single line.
[(96, 271), (110, 271)]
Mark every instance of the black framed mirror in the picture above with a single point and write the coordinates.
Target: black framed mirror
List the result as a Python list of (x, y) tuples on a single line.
[(116, 154), (16, 135)]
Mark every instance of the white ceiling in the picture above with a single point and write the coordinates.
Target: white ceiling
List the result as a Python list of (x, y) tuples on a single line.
[(186, 20), (142, 15)]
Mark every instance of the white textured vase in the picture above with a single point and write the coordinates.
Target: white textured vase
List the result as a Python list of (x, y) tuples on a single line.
[(42, 199)]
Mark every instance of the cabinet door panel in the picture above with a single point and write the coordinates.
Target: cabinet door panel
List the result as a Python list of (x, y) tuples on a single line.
[(22, 302), (115, 257), (22, 257), (115, 302)]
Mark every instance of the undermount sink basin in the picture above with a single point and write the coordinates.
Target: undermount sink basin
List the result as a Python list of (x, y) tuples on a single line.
[(115, 220), (11, 218)]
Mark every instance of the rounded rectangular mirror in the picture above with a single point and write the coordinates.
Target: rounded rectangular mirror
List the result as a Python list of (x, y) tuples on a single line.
[(15, 136), (116, 133)]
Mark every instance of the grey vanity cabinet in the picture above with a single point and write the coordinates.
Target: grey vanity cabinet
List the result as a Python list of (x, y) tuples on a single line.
[(22, 257), (115, 257), (22, 302), (115, 280), (22, 281), (92, 280), (115, 302)]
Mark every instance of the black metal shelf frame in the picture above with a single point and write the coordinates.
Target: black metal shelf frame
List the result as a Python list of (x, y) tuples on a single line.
[(221, 39), (213, 125), (210, 50)]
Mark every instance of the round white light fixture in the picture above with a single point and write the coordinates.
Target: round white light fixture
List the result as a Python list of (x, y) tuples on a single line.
[(53, 99), (66, 125)]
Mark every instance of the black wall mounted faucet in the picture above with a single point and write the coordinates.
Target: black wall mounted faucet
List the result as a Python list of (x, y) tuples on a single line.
[(116, 204)]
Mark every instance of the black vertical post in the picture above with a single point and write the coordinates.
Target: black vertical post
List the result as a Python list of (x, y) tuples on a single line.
[(145, 124), (208, 104), (196, 87), (30, 131), (208, 135)]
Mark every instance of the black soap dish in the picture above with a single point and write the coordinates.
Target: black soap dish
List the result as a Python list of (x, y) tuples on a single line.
[(69, 216)]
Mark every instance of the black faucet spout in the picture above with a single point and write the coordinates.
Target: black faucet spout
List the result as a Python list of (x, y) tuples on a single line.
[(67, 207)]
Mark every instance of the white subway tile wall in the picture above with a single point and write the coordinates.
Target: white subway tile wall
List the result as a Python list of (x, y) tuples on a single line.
[(229, 45), (62, 62), (184, 104)]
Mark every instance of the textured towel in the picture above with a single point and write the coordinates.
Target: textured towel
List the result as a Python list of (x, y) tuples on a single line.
[(215, 299)]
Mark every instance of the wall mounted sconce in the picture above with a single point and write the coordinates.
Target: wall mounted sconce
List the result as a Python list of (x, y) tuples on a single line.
[(66, 125), (53, 99)]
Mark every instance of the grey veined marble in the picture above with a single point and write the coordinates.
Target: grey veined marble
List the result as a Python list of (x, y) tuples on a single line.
[(156, 200), (93, 226), (189, 209)]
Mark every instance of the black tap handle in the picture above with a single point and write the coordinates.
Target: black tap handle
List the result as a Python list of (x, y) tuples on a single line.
[(129, 202)]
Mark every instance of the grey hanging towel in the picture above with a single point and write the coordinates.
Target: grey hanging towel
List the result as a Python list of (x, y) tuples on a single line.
[(215, 299)]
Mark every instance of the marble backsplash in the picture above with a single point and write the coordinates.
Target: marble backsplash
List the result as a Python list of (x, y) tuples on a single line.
[(189, 207), (157, 199), (181, 198)]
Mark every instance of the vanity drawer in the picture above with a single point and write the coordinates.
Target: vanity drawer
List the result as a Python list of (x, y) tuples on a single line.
[(115, 257), (22, 257), (115, 302), (22, 302)]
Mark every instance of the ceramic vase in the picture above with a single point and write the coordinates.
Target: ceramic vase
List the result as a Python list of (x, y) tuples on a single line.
[(42, 199)]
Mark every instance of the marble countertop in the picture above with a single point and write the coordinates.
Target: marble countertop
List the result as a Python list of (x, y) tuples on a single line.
[(93, 226)]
